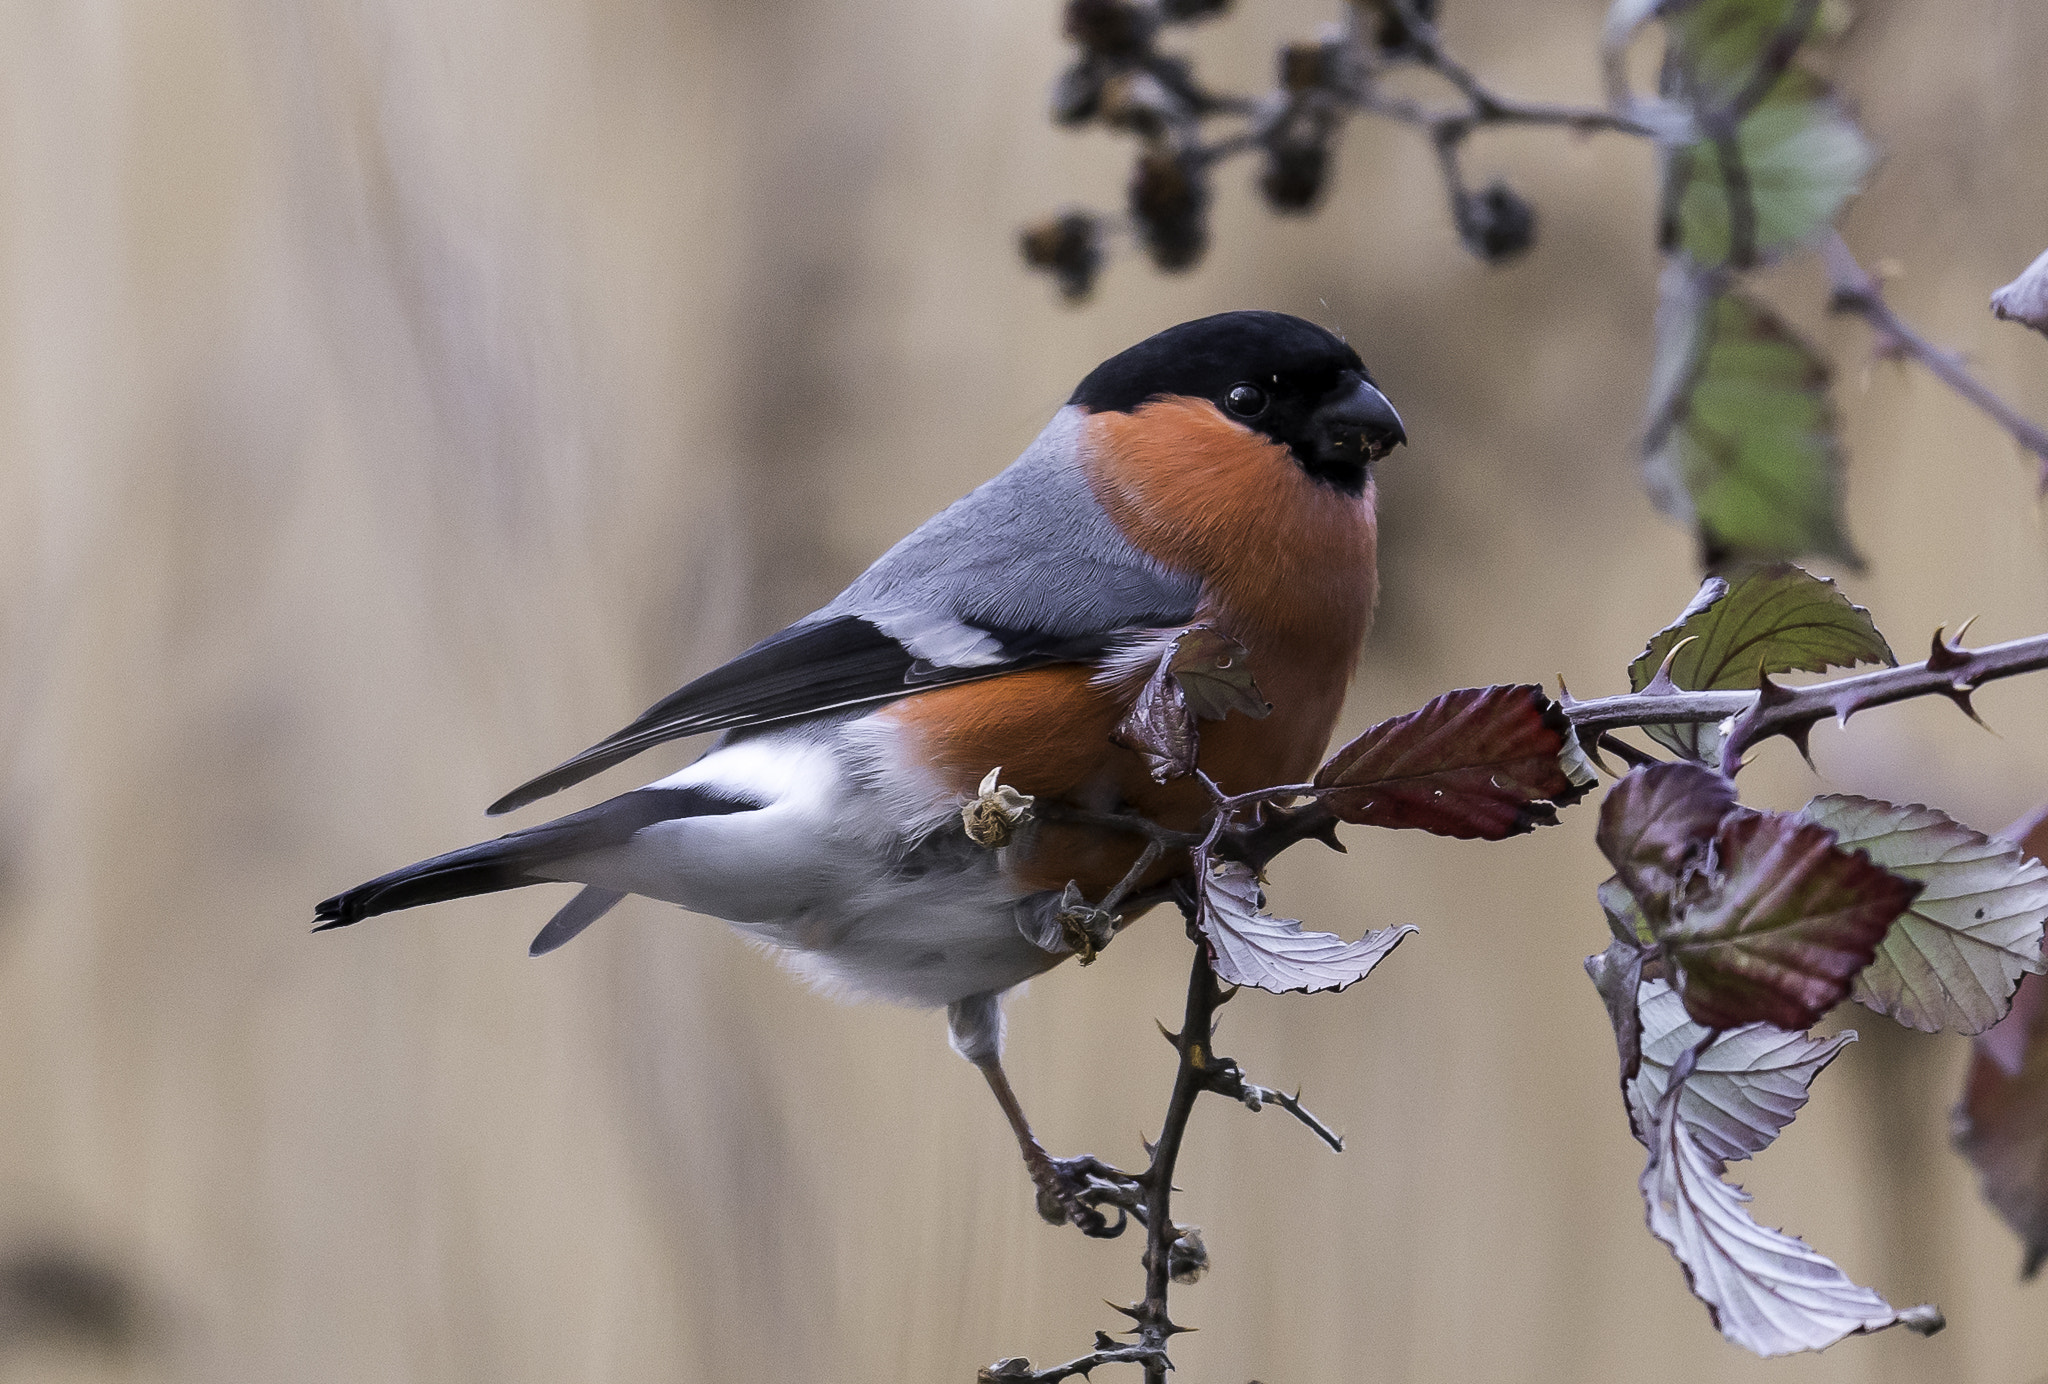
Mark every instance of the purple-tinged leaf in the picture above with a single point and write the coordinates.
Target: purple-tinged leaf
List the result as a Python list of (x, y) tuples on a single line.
[(1203, 674), (1766, 1291), (1775, 922), (1777, 619), (1617, 974), (2025, 299), (1251, 947), (1480, 762), (2002, 1123), (1951, 962), (1744, 1089), (1656, 823)]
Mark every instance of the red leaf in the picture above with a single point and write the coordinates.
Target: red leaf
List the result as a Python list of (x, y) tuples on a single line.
[(1657, 822), (1776, 921), (1480, 762), (1203, 674), (2002, 1124)]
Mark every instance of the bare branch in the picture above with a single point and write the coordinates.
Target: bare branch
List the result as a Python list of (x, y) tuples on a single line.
[(1855, 291), (1949, 671), (1018, 1369)]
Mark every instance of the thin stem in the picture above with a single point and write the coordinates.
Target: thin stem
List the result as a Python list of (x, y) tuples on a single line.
[(1856, 292), (1949, 672), (1198, 1023)]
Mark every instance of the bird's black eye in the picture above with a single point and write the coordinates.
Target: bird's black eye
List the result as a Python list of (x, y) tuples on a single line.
[(1245, 400)]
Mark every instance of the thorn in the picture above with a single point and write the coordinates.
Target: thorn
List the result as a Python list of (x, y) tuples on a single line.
[(1146, 1144), (1135, 1311), (1105, 1341), (1564, 694), (1798, 735), (1944, 655), (1965, 628), (1592, 752), (1770, 693), (1224, 998), (1170, 1330), (1959, 693), (1328, 836), (1662, 685), (1168, 1034)]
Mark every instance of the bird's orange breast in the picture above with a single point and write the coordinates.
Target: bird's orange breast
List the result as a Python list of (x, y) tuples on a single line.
[(1287, 569)]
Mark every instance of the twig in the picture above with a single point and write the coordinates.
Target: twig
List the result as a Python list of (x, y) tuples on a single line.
[(1106, 1353), (1949, 671), (1227, 1078), (1198, 1025), (1854, 291)]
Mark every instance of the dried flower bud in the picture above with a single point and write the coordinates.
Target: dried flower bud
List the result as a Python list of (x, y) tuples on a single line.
[(1182, 11), (1111, 28), (1170, 203), (1295, 174), (992, 819), (1392, 35), (1187, 1258), (1077, 93), (1139, 102), (1069, 247), (1496, 224), (1016, 1367), (1306, 66), (1085, 928)]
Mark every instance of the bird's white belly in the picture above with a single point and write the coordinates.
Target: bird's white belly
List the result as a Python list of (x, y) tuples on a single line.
[(846, 881)]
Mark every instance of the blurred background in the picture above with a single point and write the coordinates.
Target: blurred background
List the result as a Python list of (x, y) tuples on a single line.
[(397, 395)]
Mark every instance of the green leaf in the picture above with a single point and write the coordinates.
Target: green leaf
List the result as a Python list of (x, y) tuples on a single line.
[(1799, 159), (1951, 962), (1741, 443), (1723, 41), (1475, 763), (1777, 619), (1744, 1089), (1774, 924)]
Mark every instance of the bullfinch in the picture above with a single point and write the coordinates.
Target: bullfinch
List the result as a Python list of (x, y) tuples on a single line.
[(1218, 473)]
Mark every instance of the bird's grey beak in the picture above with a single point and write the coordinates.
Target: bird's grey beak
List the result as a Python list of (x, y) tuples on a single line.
[(1357, 424)]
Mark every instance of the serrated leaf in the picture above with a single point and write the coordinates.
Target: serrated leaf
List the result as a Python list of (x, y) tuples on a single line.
[(1741, 443), (1767, 1291), (1655, 825), (1251, 947), (1775, 921), (1204, 675), (1951, 961), (1617, 974), (1776, 619), (1801, 157), (1744, 1088), (1479, 762), (2002, 1123)]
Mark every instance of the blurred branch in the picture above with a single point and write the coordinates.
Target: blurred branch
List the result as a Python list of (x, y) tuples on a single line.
[(1855, 291)]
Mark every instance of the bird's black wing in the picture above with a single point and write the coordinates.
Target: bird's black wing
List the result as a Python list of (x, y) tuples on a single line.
[(805, 670)]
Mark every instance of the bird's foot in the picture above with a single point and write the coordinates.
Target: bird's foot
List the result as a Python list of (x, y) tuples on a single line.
[(1072, 1191)]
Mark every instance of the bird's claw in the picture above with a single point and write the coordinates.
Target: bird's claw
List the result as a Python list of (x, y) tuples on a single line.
[(1071, 1191)]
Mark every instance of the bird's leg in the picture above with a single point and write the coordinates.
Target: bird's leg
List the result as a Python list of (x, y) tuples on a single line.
[(1069, 1189)]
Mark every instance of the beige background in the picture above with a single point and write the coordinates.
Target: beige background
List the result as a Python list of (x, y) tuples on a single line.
[(397, 395)]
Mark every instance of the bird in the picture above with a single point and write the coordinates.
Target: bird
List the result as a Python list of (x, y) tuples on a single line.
[(1217, 474)]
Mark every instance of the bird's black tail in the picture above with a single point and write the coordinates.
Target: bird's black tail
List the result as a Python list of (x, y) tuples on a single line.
[(509, 862)]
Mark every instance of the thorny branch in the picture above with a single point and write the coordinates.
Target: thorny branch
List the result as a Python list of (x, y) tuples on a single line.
[(1853, 290)]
